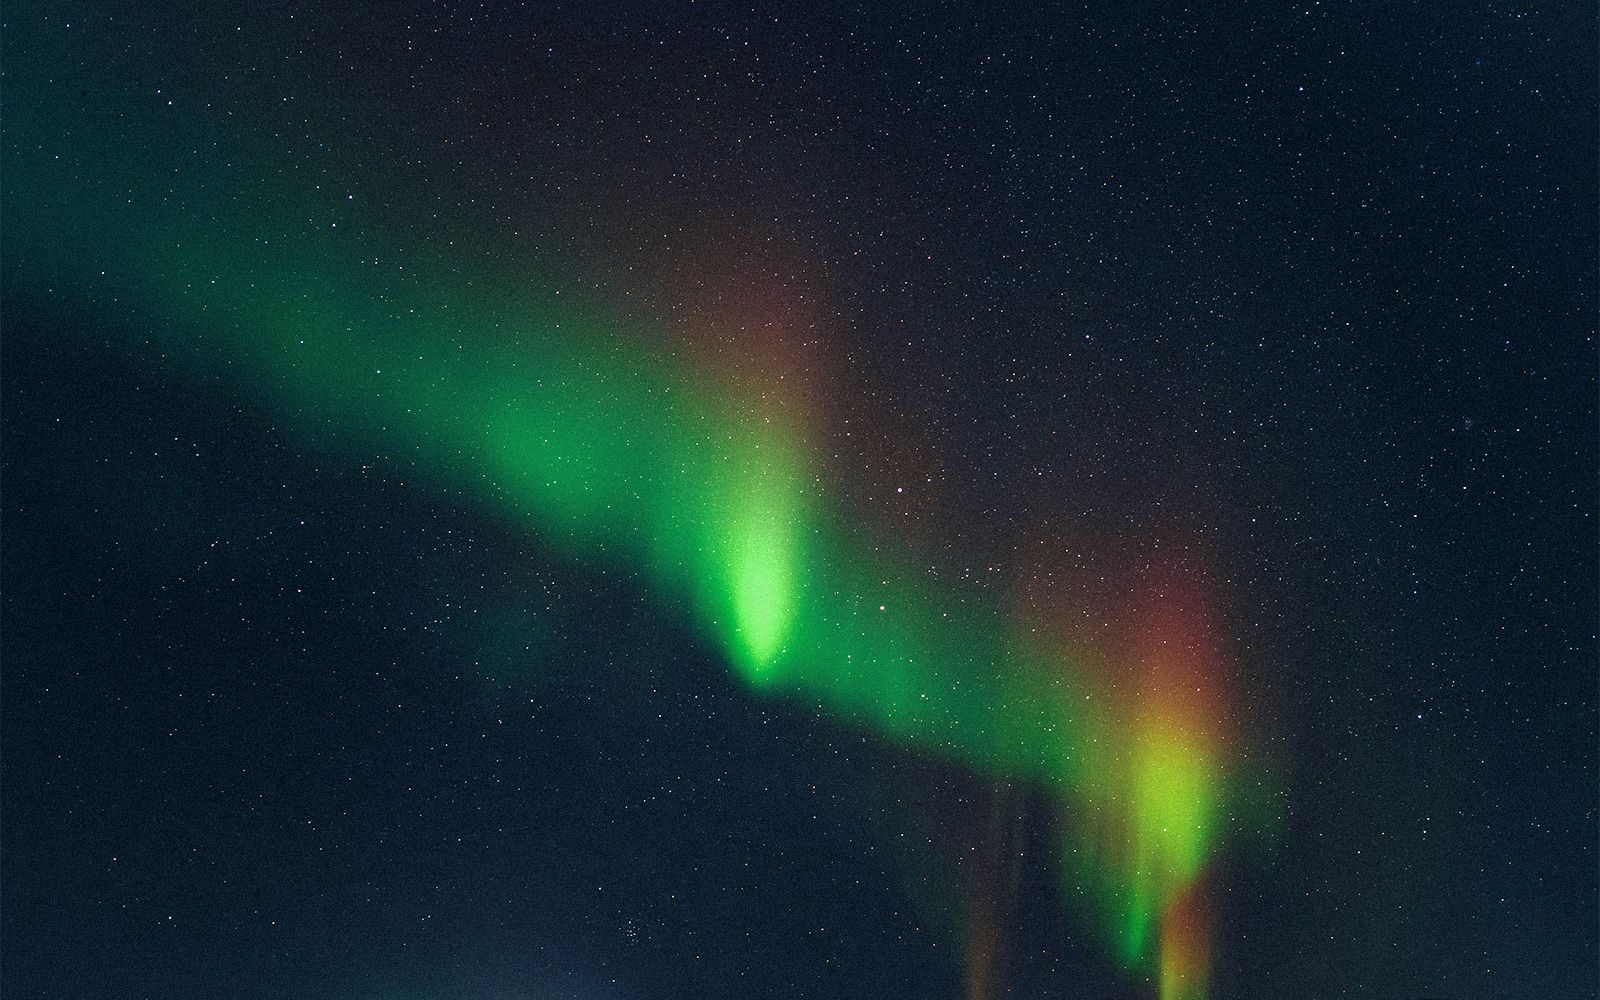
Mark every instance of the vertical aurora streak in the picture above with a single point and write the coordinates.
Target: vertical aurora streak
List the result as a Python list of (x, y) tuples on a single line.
[(1185, 946)]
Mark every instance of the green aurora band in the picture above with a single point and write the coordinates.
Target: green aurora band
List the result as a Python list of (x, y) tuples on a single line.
[(617, 452)]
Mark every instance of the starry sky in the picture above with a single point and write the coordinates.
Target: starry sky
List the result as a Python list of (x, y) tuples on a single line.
[(855, 500)]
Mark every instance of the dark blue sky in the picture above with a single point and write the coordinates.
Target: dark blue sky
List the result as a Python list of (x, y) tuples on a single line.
[(1317, 285)]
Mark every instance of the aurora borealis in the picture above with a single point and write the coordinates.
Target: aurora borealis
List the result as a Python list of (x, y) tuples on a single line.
[(663, 385), (612, 452)]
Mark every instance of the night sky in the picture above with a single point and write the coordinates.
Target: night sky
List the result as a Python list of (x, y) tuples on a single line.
[(844, 501)]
